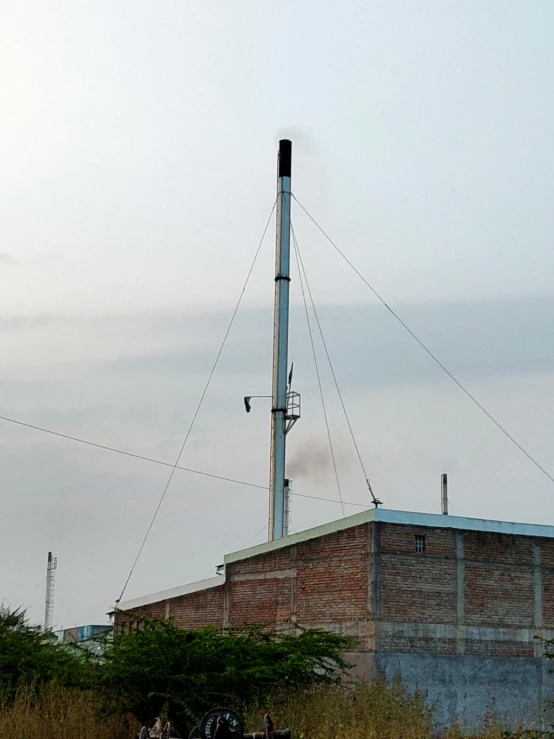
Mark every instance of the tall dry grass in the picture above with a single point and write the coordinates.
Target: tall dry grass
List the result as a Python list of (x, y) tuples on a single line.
[(60, 713), (375, 711), (365, 712), (370, 711)]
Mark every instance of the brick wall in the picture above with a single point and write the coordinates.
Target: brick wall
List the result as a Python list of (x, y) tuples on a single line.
[(332, 580), (418, 587), (501, 584), (260, 601), (547, 561), (191, 611), (130, 619), (466, 593), (320, 581), (198, 609), (498, 580), (323, 581), (403, 643), (497, 595), (498, 548)]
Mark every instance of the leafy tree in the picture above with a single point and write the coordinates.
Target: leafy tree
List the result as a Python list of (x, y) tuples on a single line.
[(161, 669), (28, 655)]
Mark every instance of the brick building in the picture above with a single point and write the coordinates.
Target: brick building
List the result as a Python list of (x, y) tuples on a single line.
[(453, 605)]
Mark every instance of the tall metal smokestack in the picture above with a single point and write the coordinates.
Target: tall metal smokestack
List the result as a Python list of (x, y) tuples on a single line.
[(444, 494), (280, 344), (51, 566)]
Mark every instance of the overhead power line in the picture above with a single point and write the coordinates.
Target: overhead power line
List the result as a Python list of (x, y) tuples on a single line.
[(296, 251), (201, 400), (152, 460), (302, 269), (426, 349), (125, 453), (252, 538)]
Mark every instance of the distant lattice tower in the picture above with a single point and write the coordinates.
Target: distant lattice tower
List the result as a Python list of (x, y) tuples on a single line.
[(50, 583)]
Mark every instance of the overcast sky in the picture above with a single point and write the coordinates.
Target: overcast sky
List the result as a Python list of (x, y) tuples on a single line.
[(138, 150)]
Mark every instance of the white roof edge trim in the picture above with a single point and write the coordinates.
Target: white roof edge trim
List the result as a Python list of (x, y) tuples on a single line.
[(193, 587), (327, 528), (440, 521), (407, 518)]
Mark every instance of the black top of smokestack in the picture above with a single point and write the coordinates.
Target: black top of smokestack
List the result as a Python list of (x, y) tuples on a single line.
[(285, 156)]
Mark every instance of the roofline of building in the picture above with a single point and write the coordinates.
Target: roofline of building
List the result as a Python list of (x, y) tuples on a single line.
[(327, 528), (406, 518), (192, 587), (83, 626)]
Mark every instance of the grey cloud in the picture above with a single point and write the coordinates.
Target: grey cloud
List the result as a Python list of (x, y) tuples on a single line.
[(49, 260), (7, 259), (370, 348), (80, 497), (21, 323), (144, 322)]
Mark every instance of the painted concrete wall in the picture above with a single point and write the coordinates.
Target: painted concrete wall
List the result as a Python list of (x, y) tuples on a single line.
[(514, 689)]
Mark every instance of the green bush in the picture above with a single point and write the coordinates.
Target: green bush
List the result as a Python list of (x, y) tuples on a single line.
[(29, 656), (161, 669)]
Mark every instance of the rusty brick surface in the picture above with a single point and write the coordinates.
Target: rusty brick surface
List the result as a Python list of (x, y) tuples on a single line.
[(332, 594), (198, 609), (340, 544), (332, 581), (418, 589), (279, 560), (487, 547), (400, 643), (191, 611), (498, 595), (260, 601), (397, 539), (548, 597), (547, 552)]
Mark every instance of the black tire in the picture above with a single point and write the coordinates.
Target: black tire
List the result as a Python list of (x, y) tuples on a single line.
[(208, 723)]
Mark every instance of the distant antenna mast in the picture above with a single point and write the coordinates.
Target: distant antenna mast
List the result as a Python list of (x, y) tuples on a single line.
[(50, 583)]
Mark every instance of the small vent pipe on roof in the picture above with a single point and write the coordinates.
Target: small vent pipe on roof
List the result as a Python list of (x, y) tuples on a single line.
[(444, 494), (286, 517)]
